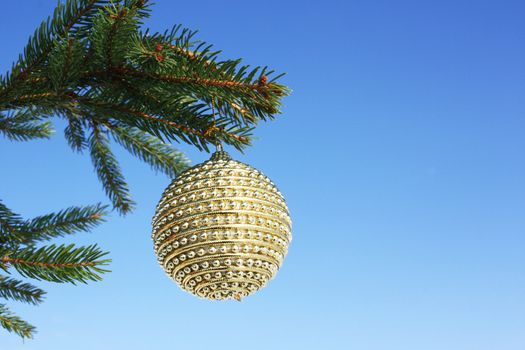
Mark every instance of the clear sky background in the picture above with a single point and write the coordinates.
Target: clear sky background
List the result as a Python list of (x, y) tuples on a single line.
[(402, 157)]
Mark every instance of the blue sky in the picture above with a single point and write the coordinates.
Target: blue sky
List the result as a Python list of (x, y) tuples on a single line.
[(402, 157)]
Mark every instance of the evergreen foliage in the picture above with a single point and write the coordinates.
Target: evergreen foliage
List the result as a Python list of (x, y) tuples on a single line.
[(63, 263), (92, 65)]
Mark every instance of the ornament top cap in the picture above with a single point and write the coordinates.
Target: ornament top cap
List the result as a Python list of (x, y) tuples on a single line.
[(220, 155)]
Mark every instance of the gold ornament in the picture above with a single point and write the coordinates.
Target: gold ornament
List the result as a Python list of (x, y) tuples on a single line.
[(221, 229)]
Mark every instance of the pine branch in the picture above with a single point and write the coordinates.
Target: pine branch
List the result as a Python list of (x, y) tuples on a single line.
[(159, 155), (12, 231), (9, 221), (15, 324), (108, 171), (115, 25), (23, 126), (163, 66), (140, 114), (11, 288), (65, 222), (233, 135), (63, 68), (51, 263), (65, 17), (236, 136), (59, 263), (126, 71), (74, 132), (201, 62)]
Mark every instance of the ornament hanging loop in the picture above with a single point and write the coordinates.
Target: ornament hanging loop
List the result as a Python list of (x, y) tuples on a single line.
[(216, 141)]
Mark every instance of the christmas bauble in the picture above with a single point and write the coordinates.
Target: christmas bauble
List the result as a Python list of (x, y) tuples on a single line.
[(221, 229)]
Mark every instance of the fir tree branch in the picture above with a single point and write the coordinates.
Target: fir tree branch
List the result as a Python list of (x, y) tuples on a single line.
[(127, 71), (15, 230), (11, 288), (140, 114), (51, 263), (150, 149), (23, 126), (108, 171), (45, 37), (63, 68), (115, 24), (71, 98), (58, 263), (152, 125), (68, 221), (191, 116), (15, 324), (68, 59), (74, 132), (136, 113), (9, 227)]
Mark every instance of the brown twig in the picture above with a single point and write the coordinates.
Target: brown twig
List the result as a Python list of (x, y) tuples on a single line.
[(33, 96), (184, 80)]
